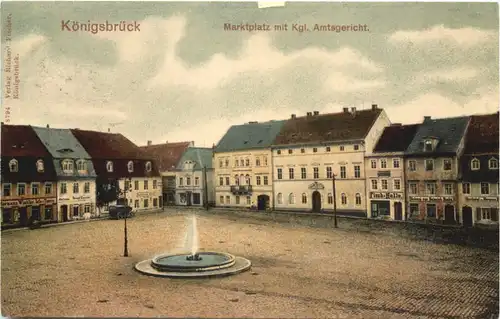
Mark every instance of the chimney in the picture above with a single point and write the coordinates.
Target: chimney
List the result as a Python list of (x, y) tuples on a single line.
[(426, 118), (109, 130), (316, 112), (374, 107), (353, 111), (346, 110), (293, 116), (48, 126), (309, 113), (150, 143), (192, 143)]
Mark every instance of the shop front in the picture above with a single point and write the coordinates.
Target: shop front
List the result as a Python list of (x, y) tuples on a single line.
[(479, 209), (74, 207), (143, 201), (17, 212), (433, 208), (386, 205)]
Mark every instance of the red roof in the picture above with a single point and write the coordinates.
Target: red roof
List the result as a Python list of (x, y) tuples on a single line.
[(166, 155), (482, 134), (21, 140)]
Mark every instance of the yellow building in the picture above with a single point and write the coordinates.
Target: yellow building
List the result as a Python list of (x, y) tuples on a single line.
[(242, 162)]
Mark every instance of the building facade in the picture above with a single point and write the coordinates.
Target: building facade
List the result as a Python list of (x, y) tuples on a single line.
[(385, 173), (432, 167), (479, 190), (194, 175), (309, 151), (76, 177), (28, 178), (119, 162), (242, 164)]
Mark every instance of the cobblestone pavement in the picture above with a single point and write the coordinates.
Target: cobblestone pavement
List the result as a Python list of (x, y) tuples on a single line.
[(297, 272)]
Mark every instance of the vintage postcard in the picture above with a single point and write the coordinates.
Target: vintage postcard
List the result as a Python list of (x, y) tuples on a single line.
[(250, 159)]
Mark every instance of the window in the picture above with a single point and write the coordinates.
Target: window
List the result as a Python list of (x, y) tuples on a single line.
[(357, 171), (414, 210), (146, 203), (48, 213), (448, 189), (188, 181), (278, 152), (383, 163), (428, 145), (374, 184), (6, 216), (155, 183), (136, 185), (493, 163), (228, 199), (291, 198), (86, 209), (303, 173), (330, 198), (86, 187), (343, 199), (329, 173), (67, 166), (257, 162), (236, 162), (358, 199), (63, 188), (412, 166), (485, 188), (466, 188), (373, 163), (6, 190), (249, 200), (146, 185), (343, 173), (290, 151), (247, 162), (221, 163), (155, 202), (237, 198), (304, 198), (265, 161), (356, 147), (474, 164), (196, 182), (35, 188), (280, 173), (109, 166), (429, 165), (149, 166), (227, 162), (447, 164), (39, 166), (257, 180), (397, 184), (384, 184), (315, 150), (413, 188), (485, 214), (280, 198), (13, 165), (395, 162), (242, 162), (431, 210), (229, 182), (341, 148), (266, 180), (236, 180), (328, 149), (221, 181), (76, 188), (316, 172), (130, 167), (221, 199), (430, 188), (290, 173), (247, 179), (136, 203)]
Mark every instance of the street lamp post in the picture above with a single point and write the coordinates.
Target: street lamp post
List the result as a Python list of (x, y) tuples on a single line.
[(334, 203), (125, 244)]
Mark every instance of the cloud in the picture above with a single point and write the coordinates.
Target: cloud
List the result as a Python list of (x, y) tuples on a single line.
[(341, 83), (464, 37), (27, 45), (456, 75)]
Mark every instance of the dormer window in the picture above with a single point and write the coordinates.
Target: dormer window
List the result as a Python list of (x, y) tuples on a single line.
[(39, 166), (428, 145), (67, 166), (493, 163), (130, 166), (81, 166), (109, 166), (474, 164), (13, 165), (149, 166)]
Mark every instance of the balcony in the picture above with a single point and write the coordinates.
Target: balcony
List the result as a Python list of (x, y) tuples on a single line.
[(241, 189)]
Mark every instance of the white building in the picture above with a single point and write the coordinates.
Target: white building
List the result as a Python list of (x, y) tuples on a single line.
[(143, 193), (385, 173), (310, 150)]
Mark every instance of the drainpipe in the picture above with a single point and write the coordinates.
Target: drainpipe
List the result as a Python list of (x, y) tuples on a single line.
[(272, 178)]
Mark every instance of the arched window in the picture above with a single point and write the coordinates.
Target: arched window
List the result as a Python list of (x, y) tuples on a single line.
[(474, 164), (304, 198), (330, 198), (242, 179), (67, 166), (149, 166), (130, 166), (358, 199), (343, 199), (81, 165), (109, 166), (493, 163), (39, 166), (291, 198), (236, 180), (248, 180), (13, 165), (280, 198)]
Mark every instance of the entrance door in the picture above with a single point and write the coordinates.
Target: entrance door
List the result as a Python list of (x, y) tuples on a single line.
[(35, 212), (23, 216), (64, 213), (398, 211), (262, 202), (188, 198), (76, 211), (467, 216), (316, 202), (449, 214)]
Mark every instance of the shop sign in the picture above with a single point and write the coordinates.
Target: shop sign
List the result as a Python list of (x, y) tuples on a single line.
[(481, 198), (144, 194), (384, 174), (387, 195), (432, 198), (28, 202)]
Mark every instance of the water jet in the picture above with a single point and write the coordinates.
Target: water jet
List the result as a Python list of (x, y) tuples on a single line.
[(195, 263)]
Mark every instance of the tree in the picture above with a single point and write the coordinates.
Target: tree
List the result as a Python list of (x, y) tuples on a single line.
[(107, 191)]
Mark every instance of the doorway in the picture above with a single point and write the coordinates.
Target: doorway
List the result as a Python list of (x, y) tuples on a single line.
[(35, 212), (316, 202), (398, 211), (467, 216), (262, 202), (76, 211), (64, 213), (23, 216), (449, 214), (188, 199), (380, 208)]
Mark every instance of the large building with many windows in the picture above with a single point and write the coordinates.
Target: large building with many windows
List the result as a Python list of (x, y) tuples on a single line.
[(385, 189), (28, 178), (117, 160), (479, 172), (242, 164), (76, 192), (310, 150), (432, 168)]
